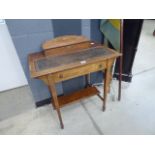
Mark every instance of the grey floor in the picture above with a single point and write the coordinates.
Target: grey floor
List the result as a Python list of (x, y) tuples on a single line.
[(133, 115), (15, 101)]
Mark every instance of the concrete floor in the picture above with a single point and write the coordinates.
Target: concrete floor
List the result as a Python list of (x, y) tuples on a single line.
[(133, 115), (15, 101)]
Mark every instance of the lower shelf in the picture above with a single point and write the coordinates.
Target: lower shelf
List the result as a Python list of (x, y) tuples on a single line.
[(86, 92)]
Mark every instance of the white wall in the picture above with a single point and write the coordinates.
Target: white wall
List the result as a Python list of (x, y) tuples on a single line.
[(11, 71)]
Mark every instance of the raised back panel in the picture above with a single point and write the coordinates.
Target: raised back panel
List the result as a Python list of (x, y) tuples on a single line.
[(63, 41)]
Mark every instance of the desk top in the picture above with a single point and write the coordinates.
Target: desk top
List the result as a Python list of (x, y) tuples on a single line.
[(66, 58)]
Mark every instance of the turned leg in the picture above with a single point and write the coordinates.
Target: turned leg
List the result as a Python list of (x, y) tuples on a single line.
[(110, 79), (106, 86), (55, 100), (52, 102)]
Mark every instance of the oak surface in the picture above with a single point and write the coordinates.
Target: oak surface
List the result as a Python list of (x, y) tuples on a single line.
[(68, 57)]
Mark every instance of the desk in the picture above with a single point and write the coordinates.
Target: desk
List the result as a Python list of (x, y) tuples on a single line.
[(68, 57)]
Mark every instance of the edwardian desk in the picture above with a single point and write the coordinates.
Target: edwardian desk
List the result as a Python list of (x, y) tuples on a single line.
[(68, 57)]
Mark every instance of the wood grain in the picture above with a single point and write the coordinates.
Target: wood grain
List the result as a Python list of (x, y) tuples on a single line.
[(72, 48), (63, 41), (33, 59), (69, 48), (78, 71), (86, 92), (55, 99)]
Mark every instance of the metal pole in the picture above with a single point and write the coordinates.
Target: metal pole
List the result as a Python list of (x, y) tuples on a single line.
[(120, 59)]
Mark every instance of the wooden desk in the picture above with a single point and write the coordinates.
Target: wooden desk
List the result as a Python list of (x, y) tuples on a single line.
[(68, 57)]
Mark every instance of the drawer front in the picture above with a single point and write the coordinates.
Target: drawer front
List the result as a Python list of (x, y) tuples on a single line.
[(78, 71)]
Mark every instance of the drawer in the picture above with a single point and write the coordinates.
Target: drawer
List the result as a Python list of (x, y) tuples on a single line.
[(78, 71)]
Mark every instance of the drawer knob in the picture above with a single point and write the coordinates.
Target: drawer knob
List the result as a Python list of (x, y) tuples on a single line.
[(100, 66), (61, 76)]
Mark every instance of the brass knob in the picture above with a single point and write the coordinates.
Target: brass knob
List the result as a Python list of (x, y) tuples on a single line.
[(100, 66), (61, 76)]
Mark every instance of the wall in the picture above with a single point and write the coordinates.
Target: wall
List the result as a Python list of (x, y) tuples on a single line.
[(12, 75), (28, 35)]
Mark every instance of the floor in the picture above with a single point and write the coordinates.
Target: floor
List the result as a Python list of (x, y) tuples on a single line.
[(15, 101), (133, 115)]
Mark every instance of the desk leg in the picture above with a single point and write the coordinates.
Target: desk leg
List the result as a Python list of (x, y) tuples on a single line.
[(51, 98), (87, 80), (106, 86), (55, 100)]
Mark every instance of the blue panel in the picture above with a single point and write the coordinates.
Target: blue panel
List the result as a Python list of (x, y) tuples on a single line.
[(96, 77), (96, 34), (28, 26), (28, 35), (36, 40), (73, 85), (27, 44), (66, 27), (86, 27), (22, 46)]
